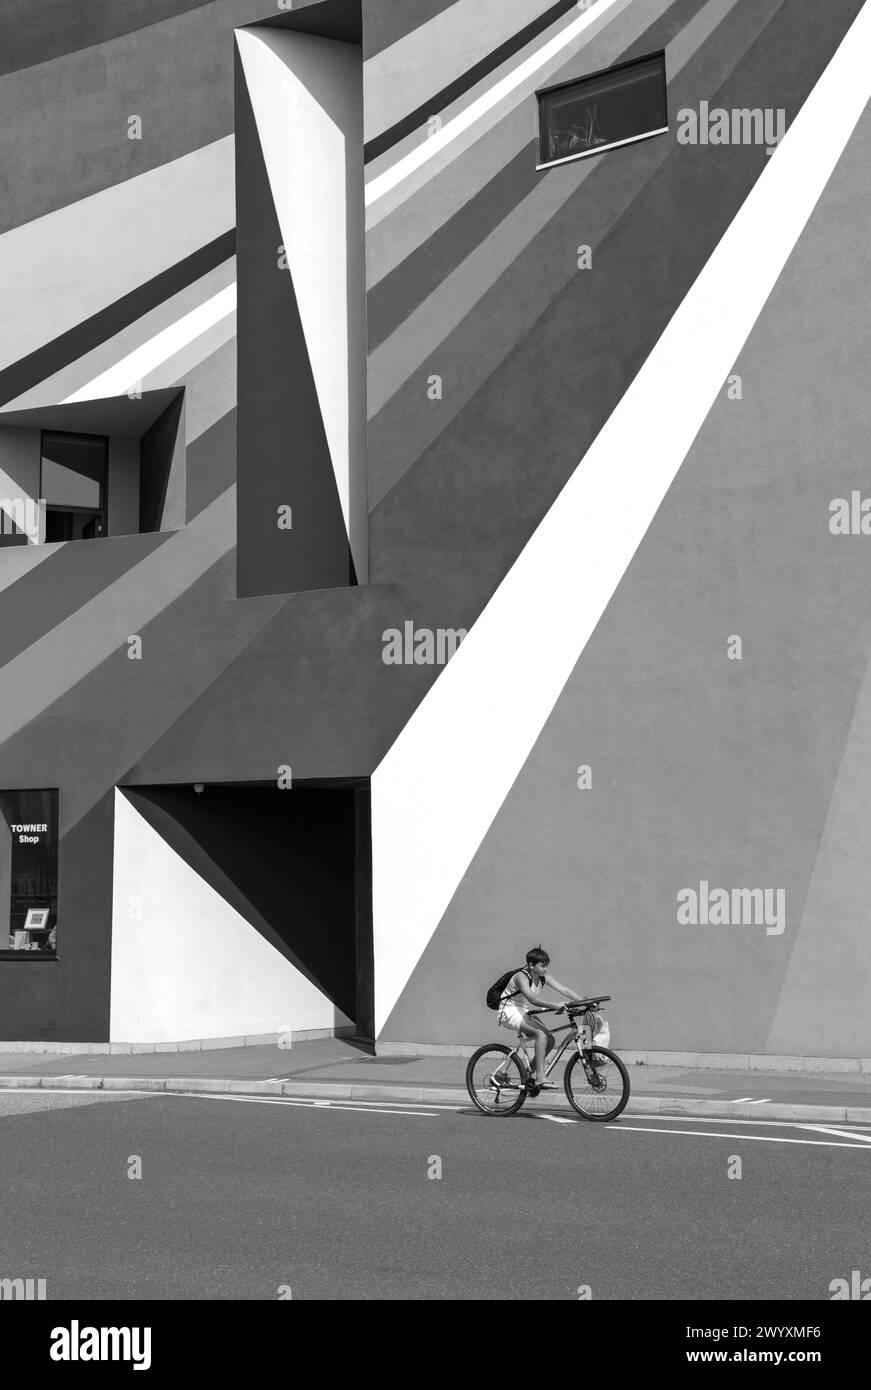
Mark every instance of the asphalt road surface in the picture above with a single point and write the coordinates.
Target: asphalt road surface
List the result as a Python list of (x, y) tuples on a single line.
[(262, 1199)]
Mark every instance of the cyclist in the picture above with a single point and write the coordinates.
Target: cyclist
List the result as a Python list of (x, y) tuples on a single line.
[(522, 994)]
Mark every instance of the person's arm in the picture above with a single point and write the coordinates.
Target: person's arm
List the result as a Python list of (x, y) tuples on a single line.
[(561, 989), (534, 999)]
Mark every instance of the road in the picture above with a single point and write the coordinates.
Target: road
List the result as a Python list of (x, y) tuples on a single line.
[(243, 1198)]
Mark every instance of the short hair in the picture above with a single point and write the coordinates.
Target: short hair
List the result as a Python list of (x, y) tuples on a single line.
[(537, 956)]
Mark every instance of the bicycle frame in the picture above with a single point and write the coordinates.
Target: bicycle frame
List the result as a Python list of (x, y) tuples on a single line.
[(574, 1035)]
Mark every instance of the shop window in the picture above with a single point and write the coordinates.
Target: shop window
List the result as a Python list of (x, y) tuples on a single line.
[(28, 873), (605, 109)]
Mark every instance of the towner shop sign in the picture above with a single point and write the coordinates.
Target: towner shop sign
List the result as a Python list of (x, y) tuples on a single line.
[(29, 834)]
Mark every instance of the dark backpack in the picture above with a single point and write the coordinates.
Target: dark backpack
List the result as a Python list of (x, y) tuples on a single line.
[(494, 993)]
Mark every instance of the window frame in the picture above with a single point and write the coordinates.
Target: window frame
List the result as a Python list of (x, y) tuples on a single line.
[(615, 68), (10, 953)]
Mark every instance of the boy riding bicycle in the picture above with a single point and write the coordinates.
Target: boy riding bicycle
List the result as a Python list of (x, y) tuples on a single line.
[(521, 994)]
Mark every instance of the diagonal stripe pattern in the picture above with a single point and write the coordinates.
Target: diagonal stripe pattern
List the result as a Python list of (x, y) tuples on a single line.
[(436, 792)]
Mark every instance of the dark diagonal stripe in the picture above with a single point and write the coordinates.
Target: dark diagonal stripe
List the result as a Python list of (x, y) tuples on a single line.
[(387, 22), (373, 148), (341, 20), (38, 33), (29, 371), (63, 583)]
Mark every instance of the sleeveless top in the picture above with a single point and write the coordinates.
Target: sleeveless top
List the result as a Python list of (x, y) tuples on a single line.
[(508, 995)]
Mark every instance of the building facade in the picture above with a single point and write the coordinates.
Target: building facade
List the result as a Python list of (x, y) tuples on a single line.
[(433, 486)]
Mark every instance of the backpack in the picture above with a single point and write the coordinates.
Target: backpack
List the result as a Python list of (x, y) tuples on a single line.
[(494, 993)]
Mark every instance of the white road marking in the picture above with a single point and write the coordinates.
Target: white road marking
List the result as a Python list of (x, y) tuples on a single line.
[(298, 1101), (764, 1101), (742, 1100), (364, 1104), (858, 1132), (756, 1138), (716, 1120), (847, 1133)]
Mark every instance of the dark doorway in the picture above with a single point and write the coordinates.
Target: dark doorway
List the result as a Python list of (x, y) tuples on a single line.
[(73, 479)]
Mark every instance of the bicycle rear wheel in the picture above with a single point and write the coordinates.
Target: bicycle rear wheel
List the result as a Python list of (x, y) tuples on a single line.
[(603, 1093), (494, 1080)]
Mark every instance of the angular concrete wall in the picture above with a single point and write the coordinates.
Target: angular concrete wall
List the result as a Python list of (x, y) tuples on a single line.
[(739, 772)]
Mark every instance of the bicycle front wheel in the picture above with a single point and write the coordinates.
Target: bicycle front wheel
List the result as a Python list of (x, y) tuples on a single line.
[(495, 1081), (597, 1084)]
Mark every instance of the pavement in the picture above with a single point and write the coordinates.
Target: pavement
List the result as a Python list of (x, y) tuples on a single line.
[(345, 1068), (162, 1196)]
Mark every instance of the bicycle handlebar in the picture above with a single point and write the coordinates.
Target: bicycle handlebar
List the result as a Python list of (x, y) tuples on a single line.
[(571, 1006)]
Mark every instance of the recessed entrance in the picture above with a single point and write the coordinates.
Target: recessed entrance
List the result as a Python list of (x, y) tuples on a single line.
[(295, 863)]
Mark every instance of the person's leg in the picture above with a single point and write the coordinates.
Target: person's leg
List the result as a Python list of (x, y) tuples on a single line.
[(543, 1045)]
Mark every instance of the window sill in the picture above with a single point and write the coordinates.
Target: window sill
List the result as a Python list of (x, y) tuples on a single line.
[(28, 955), (602, 149)]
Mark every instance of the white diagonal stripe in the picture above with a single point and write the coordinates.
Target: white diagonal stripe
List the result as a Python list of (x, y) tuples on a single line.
[(132, 369)]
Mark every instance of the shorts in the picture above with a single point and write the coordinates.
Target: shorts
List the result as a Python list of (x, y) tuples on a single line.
[(511, 1016)]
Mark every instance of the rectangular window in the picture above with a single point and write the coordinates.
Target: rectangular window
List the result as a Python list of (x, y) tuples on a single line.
[(596, 113), (28, 872), (73, 485)]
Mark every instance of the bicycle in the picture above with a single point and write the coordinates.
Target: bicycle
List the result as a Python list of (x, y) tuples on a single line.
[(499, 1078)]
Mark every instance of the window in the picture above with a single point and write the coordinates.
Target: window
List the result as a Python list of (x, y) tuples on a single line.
[(595, 113), (28, 872), (73, 485)]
